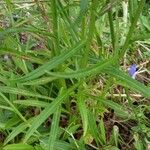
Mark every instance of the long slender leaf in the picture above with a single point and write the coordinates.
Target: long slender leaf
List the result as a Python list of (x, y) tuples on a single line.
[(95, 69), (128, 81), (40, 81), (21, 55), (51, 64), (83, 112), (18, 91), (47, 112), (13, 107), (54, 128), (18, 147), (31, 102), (17, 130)]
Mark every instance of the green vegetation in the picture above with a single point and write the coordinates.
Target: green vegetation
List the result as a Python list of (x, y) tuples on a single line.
[(64, 81)]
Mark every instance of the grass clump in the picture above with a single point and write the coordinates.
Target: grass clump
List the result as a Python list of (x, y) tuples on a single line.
[(64, 82)]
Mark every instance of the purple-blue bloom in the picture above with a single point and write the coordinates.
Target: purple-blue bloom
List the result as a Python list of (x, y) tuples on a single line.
[(132, 70)]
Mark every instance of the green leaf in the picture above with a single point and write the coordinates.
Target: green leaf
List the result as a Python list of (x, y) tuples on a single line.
[(102, 131), (95, 69), (31, 102), (19, 29), (110, 147), (17, 130), (12, 122), (51, 64), (93, 127), (21, 55), (83, 112), (54, 128), (12, 106), (145, 22), (40, 81), (18, 147), (59, 145), (119, 109), (18, 91), (62, 145), (47, 112), (127, 81)]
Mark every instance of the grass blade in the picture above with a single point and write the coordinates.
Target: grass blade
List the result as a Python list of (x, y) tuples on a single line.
[(95, 69), (47, 112), (40, 81), (21, 55), (54, 129), (20, 128), (31, 102), (51, 64), (83, 112), (13, 107), (18, 91), (18, 147), (128, 81)]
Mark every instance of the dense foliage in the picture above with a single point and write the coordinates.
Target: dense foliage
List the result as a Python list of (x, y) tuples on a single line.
[(74, 74)]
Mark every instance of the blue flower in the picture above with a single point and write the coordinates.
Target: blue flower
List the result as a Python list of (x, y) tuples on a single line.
[(132, 71)]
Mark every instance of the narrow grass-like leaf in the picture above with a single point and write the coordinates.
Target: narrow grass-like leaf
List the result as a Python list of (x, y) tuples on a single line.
[(106, 8), (62, 145), (93, 127), (90, 35), (18, 147), (112, 32), (83, 112), (132, 27), (115, 135), (12, 122), (67, 21), (3, 79), (120, 110), (35, 103), (47, 112), (31, 102), (40, 81), (102, 131), (140, 37), (17, 130), (22, 55), (6, 89), (70, 129), (82, 13), (54, 128), (55, 27), (29, 29), (52, 63), (12, 106), (5, 107), (95, 69), (128, 81)]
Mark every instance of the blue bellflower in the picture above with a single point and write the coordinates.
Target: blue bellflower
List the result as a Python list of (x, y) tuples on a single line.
[(133, 71)]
